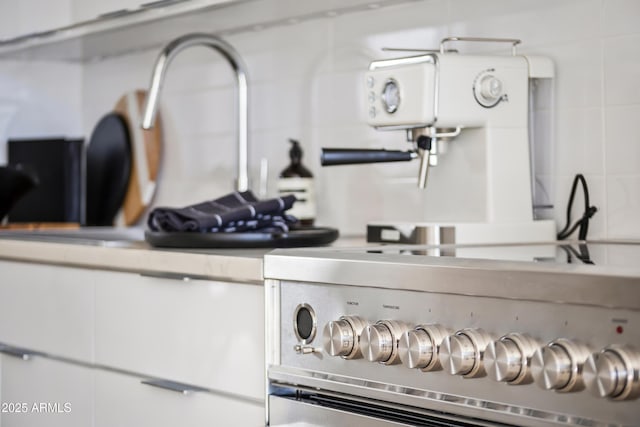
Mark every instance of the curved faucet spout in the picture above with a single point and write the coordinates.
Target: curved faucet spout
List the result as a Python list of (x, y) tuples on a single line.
[(233, 58)]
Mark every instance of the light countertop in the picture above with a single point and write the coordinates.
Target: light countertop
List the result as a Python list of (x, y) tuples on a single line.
[(237, 265)]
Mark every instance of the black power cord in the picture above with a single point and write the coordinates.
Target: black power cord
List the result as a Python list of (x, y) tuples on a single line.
[(583, 255), (589, 211)]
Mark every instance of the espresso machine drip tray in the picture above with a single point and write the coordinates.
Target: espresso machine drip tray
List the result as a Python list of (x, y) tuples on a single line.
[(458, 233)]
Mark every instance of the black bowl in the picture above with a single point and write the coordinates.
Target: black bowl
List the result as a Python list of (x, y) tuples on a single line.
[(15, 182)]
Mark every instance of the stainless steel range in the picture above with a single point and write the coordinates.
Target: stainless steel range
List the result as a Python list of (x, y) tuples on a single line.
[(522, 335)]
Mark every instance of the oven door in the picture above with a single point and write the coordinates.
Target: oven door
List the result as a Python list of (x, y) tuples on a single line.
[(302, 407)]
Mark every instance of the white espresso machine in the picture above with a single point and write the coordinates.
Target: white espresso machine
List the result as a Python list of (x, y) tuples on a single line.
[(469, 114)]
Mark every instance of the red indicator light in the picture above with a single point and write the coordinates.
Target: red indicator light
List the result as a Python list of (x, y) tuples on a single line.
[(619, 329)]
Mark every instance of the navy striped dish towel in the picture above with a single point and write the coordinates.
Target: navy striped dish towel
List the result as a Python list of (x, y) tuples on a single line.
[(235, 212)]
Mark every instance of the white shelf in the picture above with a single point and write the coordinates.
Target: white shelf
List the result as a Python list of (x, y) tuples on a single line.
[(150, 27)]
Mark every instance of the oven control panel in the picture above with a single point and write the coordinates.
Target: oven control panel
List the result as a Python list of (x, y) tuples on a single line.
[(566, 363)]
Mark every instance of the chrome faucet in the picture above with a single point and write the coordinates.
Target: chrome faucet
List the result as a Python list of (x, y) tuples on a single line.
[(232, 56)]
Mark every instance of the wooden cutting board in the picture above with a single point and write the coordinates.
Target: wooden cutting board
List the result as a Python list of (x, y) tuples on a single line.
[(146, 148), (40, 226)]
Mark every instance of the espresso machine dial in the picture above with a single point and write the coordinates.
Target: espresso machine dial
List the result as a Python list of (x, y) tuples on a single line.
[(488, 89), (342, 337)]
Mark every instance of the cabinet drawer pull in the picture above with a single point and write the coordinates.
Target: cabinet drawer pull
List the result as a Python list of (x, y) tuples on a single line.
[(20, 353), (113, 14), (174, 386), (159, 3), (170, 276)]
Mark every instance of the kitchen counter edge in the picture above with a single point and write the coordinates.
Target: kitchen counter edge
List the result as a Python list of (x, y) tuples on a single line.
[(235, 265)]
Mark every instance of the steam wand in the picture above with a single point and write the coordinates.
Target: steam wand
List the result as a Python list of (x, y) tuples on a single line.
[(354, 156), (426, 143)]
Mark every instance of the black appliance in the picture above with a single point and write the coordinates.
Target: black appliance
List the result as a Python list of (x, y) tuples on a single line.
[(58, 164)]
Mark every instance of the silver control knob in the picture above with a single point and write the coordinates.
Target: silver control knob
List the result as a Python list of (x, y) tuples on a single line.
[(342, 337), (379, 341), (490, 88), (463, 352), (390, 96), (509, 358), (558, 365), (613, 373), (418, 348)]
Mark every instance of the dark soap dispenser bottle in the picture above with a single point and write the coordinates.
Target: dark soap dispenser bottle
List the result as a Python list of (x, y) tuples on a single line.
[(296, 179)]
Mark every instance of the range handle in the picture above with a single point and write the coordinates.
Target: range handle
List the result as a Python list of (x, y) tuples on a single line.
[(353, 156)]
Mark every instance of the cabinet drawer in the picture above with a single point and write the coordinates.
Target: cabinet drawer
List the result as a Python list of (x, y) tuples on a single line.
[(123, 400), (199, 332), (43, 392), (48, 309)]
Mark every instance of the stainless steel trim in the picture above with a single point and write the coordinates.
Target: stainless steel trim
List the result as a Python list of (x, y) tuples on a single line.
[(514, 42), (295, 412), (271, 335), (403, 49), (287, 412), (306, 349), (409, 60), (235, 61), (447, 134), (460, 405), (173, 386), (423, 170), (571, 283)]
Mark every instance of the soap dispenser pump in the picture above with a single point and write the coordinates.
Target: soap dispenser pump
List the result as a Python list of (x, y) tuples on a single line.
[(296, 179)]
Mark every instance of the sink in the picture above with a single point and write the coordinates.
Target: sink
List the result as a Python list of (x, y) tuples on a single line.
[(92, 236)]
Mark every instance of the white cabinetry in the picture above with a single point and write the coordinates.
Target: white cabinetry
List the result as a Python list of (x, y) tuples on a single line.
[(97, 334), (84, 10), (30, 16), (153, 23), (44, 392), (48, 309), (123, 400), (201, 332)]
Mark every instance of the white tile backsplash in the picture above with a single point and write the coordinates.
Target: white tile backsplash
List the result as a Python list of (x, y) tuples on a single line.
[(620, 17), (579, 146), (578, 72), (623, 140), (536, 23), (337, 99), (622, 69), (47, 97), (623, 206), (306, 82)]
